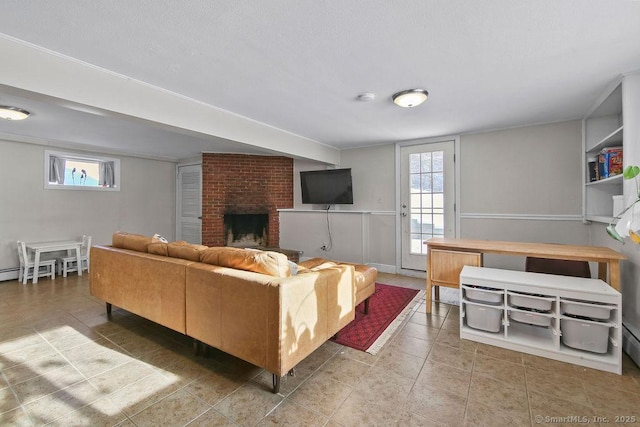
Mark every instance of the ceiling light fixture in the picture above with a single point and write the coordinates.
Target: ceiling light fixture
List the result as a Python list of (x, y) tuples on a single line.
[(410, 98), (13, 113)]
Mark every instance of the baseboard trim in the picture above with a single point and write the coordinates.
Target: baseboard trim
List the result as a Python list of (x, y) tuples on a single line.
[(9, 273), (631, 344), (384, 268)]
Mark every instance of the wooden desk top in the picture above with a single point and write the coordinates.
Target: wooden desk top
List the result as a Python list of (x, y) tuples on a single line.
[(541, 250)]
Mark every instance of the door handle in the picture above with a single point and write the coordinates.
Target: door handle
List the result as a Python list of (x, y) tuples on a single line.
[(403, 214)]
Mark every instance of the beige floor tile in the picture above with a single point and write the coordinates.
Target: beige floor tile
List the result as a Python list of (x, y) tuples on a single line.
[(411, 345), (248, 404), (383, 387), (120, 376), (480, 414), (452, 356), (56, 405), (452, 339), (289, 413), (8, 401), (212, 418), (547, 410), (345, 370), (141, 394), (360, 410), (98, 413), (437, 405), (430, 320), (50, 382), (451, 323), (17, 417), (556, 384), (321, 394), (444, 377), (510, 374), (495, 395), (396, 387), (178, 408), (34, 368), (397, 362), (416, 330), (213, 387), (500, 353)]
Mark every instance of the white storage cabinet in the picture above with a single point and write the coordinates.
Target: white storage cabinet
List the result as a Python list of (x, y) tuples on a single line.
[(570, 319)]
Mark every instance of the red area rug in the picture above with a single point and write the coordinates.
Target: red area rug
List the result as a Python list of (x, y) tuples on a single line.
[(387, 308)]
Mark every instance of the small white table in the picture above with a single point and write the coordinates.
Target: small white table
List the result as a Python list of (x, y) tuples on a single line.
[(60, 245)]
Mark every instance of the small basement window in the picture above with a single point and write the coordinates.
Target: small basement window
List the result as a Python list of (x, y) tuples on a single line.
[(73, 171)]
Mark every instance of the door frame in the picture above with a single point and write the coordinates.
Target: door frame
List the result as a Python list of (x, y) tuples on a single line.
[(456, 213)]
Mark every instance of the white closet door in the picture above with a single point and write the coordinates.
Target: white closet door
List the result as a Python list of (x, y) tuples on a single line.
[(189, 204)]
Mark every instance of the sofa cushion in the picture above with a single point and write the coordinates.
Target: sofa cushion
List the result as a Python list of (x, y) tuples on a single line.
[(265, 262), (184, 250), (158, 248), (134, 242)]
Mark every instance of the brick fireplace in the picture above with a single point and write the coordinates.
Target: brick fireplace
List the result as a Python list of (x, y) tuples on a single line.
[(238, 185)]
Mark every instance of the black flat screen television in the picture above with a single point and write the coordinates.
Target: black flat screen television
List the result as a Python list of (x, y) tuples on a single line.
[(327, 187)]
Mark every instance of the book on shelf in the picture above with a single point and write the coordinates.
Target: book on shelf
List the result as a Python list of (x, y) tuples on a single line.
[(609, 162)]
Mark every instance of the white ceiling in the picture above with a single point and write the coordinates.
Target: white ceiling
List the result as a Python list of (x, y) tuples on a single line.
[(298, 65)]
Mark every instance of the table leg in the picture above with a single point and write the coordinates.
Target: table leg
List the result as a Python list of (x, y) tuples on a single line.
[(429, 286), (602, 271), (79, 261), (614, 274), (36, 266)]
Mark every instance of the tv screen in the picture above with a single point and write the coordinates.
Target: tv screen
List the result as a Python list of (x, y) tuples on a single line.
[(327, 187)]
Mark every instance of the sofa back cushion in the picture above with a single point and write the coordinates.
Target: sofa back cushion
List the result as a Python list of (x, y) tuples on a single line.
[(158, 248), (265, 262), (134, 242), (184, 250)]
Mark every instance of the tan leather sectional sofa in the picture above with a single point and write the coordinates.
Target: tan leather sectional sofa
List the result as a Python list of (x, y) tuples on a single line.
[(243, 302)]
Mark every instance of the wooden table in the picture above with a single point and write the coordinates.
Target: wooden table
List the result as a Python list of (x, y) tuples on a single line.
[(60, 245), (446, 257)]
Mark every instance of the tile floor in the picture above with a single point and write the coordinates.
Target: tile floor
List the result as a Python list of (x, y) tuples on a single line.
[(63, 363)]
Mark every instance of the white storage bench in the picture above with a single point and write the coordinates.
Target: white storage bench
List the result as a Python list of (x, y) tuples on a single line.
[(571, 319)]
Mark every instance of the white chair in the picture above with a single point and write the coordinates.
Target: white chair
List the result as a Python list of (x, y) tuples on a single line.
[(47, 267), (70, 262)]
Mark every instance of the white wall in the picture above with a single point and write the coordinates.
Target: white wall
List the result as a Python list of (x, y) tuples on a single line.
[(523, 184), (145, 204), (362, 232), (519, 184)]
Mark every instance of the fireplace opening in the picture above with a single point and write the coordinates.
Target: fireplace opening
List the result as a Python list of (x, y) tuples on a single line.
[(242, 230)]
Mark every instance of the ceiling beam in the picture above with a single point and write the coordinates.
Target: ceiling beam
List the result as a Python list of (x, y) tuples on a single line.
[(29, 67)]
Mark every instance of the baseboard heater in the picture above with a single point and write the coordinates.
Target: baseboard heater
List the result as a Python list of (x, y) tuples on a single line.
[(631, 344), (10, 273)]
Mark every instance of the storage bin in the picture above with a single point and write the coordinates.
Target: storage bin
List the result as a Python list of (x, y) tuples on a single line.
[(585, 335), (531, 318), (532, 302), (483, 295), (484, 318), (586, 309)]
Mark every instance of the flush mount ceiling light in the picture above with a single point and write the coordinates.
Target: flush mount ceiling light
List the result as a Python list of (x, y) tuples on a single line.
[(13, 113), (410, 98)]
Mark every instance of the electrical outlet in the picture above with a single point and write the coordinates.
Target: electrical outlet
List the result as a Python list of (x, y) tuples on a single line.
[(324, 246)]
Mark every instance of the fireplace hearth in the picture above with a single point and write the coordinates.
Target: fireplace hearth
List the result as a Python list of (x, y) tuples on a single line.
[(242, 230)]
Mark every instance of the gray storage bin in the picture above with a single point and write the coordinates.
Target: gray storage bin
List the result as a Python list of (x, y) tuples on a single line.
[(585, 335), (531, 318), (532, 302), (483, 295), (586, 309), (484, 318)]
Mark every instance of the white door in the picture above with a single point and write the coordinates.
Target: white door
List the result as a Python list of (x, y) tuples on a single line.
[(189, 204), (427, 179)]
